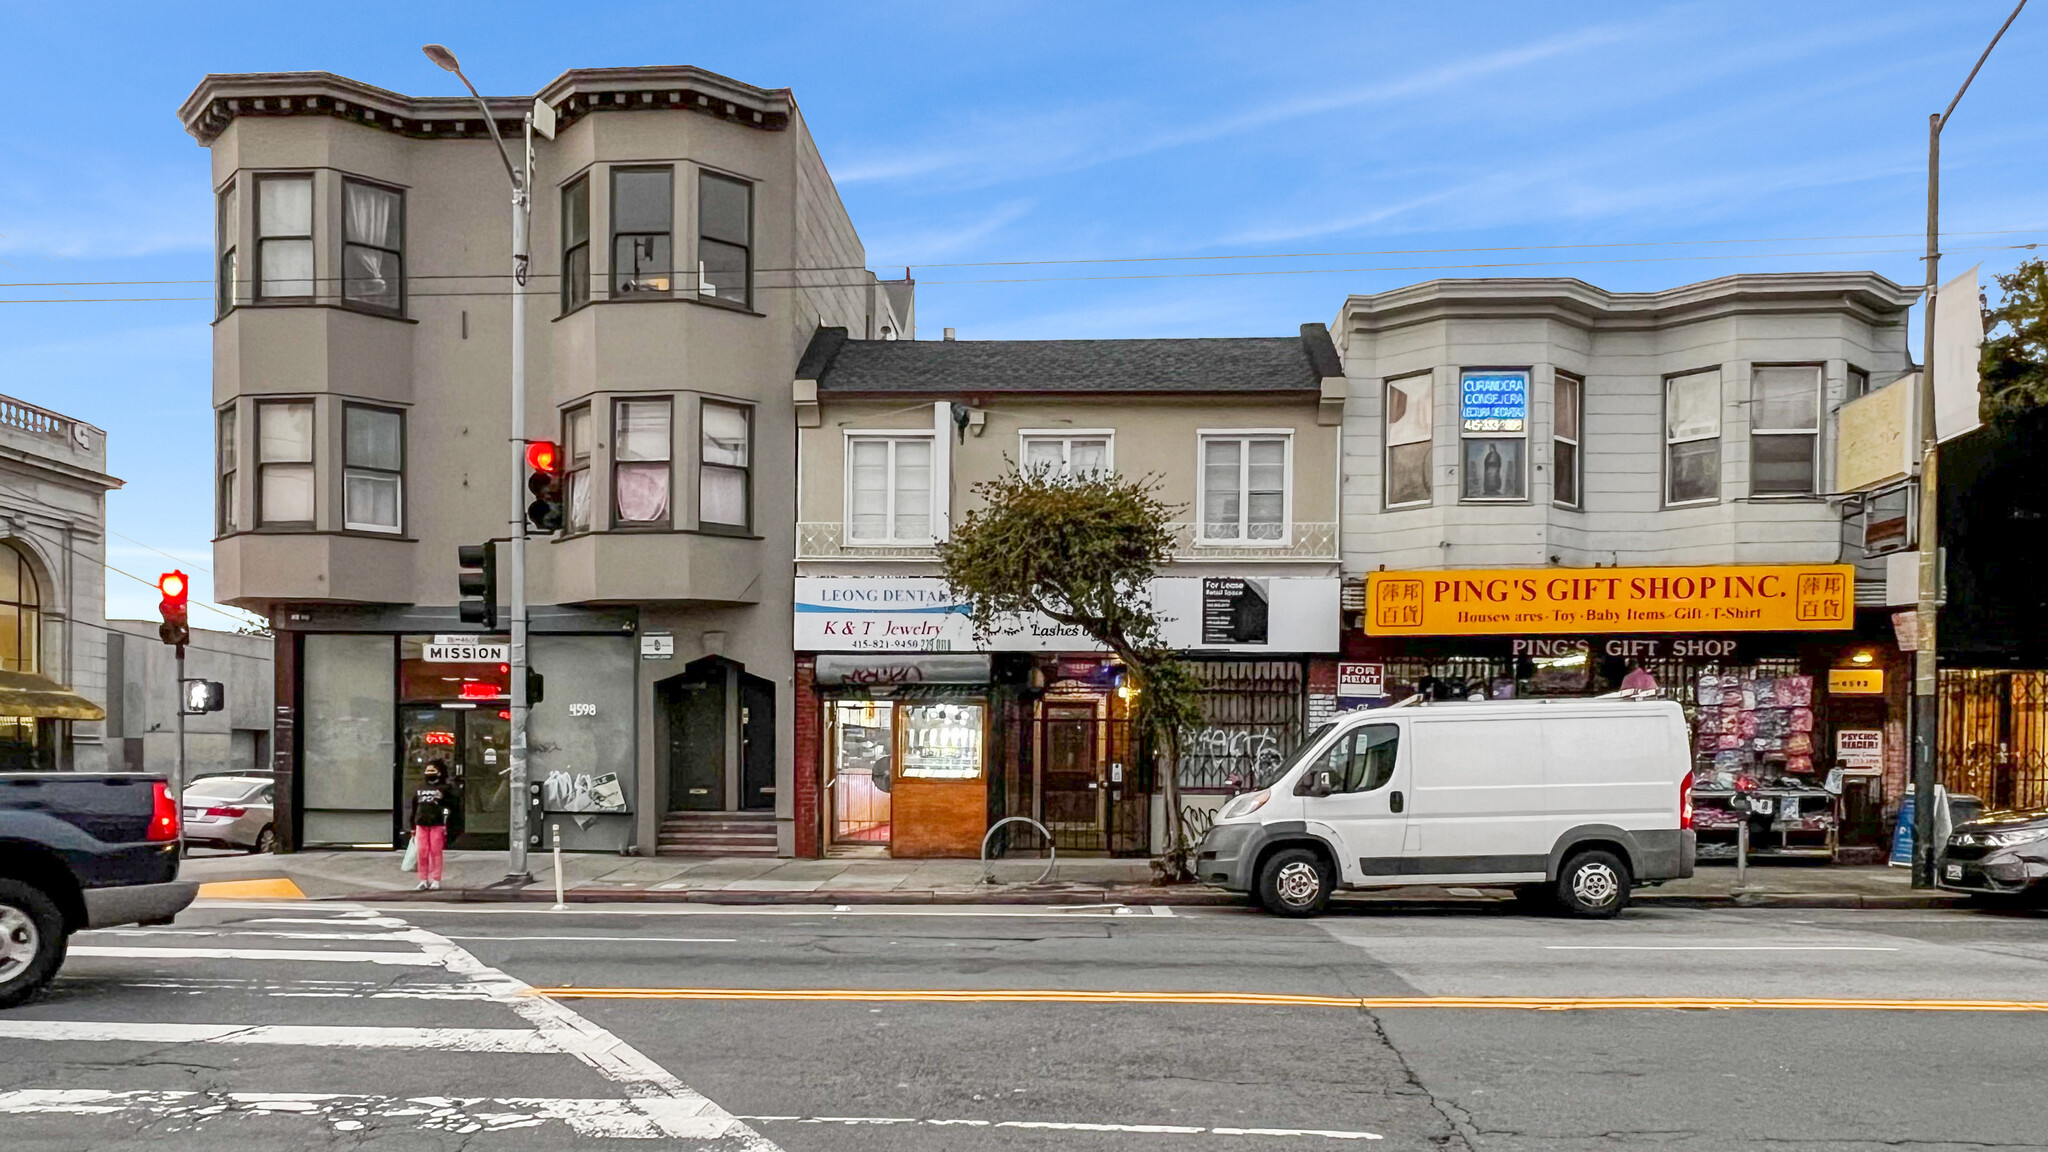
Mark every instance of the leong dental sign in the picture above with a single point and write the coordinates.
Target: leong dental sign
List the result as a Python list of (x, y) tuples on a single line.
[(1746, 598)]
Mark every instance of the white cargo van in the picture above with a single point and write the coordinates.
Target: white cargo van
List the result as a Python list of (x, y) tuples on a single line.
[(1569, 801)]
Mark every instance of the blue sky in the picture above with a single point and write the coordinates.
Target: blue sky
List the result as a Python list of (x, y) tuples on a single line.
[(980, 132)]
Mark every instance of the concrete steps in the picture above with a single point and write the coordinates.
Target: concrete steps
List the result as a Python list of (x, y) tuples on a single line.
[(716, 834)]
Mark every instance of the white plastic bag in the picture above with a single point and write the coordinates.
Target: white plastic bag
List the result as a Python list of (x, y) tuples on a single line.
[(410, 862)]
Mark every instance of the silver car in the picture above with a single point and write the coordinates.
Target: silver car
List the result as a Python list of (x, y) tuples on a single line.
[(230, 812)]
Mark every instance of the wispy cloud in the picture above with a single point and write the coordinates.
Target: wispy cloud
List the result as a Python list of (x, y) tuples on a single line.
[(931, 241), (51, 212)]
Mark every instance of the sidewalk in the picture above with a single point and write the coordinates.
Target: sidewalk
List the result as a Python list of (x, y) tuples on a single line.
[(590, 878)]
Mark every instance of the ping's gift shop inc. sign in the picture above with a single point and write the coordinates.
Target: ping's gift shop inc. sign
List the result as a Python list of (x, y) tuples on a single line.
[(1746, 598)]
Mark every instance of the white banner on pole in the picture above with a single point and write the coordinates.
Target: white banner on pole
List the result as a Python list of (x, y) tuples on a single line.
[(1958, 342)]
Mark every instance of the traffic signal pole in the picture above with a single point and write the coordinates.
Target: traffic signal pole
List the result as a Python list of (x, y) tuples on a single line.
[(178, 784), (516, 869)]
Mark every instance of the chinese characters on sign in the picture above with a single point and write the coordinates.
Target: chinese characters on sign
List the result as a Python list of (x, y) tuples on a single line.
[(1494, 401), (1751, 598)]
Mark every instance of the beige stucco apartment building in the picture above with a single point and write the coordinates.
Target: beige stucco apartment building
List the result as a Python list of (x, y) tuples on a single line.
[(686, 241)]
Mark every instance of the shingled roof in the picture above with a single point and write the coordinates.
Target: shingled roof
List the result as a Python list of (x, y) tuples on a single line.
[(951, 367)]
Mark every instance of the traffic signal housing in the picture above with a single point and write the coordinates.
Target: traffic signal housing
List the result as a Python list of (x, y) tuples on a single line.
[(477, 580), (544, 480), (176, 591)]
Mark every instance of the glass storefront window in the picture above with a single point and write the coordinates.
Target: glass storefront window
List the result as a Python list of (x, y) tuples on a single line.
[(346, 751), (941, 741), (458, 713)]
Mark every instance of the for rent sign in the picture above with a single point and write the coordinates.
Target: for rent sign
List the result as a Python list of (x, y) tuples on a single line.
[(1749, 598)]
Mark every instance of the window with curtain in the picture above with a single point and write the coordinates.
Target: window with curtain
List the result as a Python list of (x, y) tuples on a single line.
[(1567, 406), (641, 451), (1784, 429), (284, 237), (576, 479), (1067, 455), (21, 616), (373, 247), (1244, 488), (1692, 437), (226, 221), (284, 463), (225, 460), (725, 238), (889, 489), (576, 244), (724, 460), (643, 239), (1410, 431), (373, 468)]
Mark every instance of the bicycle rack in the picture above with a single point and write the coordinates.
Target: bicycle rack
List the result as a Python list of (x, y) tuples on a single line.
[(988, 872)]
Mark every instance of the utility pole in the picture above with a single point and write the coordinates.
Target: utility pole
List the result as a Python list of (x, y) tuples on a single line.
[(1926, 664), (522, 182)]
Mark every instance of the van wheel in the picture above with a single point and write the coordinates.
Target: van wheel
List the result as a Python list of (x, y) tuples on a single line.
[(1295, 882), (32, 941), (1593, 885)]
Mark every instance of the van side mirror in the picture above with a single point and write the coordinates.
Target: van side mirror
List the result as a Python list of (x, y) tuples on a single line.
[(1320, 783)]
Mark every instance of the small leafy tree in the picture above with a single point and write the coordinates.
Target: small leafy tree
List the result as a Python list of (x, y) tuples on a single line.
[(1082, 551), (2014, 365)]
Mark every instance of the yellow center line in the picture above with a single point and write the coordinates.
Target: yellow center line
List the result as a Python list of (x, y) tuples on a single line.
[(1074, 996)]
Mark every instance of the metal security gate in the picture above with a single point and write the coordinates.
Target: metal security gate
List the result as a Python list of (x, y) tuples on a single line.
[(1254, 712), (1091, 791), (1994, 735)]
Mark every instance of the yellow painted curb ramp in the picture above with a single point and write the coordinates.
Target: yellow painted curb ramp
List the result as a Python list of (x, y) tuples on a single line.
[(275, 888)]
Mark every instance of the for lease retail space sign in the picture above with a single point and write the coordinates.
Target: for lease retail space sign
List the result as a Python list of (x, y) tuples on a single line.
[(1506, 602)]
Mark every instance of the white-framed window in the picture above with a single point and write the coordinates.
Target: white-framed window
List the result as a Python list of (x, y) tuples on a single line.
[(1567, 465), (284, 463), (1246, 494), (225, 465), (889, 488), (1067, 452), (1692, 437), (1493, 434), (725, 478), (1784, 429), (1410, 430), (576, 480), (373, 468), (641, 451)]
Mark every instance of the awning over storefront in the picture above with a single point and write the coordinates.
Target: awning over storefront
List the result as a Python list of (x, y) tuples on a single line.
[(27, 694)]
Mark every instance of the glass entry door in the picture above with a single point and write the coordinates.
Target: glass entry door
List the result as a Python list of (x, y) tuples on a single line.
[(474, 747), (863, 742)]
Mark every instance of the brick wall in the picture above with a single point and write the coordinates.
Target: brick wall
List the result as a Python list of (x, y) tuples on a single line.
[(809, 732)]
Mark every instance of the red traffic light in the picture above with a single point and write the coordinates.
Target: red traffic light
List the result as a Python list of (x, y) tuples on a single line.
[(173, 586), (542, 456)]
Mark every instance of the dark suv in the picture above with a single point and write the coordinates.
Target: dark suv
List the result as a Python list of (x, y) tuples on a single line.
[(1999, 853)]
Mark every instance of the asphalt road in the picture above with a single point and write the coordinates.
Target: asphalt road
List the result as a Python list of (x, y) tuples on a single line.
[(310, 1024)]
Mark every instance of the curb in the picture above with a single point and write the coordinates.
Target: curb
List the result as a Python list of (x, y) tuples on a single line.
[(1191, 897)]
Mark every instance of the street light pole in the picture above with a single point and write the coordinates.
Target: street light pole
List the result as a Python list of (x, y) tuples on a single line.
[(522, 182), (1926, 666)]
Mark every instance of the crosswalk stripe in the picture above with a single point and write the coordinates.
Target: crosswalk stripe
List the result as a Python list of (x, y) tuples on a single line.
[(295, 955), (500, 1040)]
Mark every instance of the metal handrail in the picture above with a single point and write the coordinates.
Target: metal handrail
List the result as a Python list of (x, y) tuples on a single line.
[(988, 872)]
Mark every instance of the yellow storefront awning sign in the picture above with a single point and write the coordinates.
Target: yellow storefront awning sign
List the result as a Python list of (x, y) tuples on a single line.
[(1856, 681), (1523, 601)]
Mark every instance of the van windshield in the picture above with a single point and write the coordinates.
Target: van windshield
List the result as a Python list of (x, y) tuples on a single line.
[(1266, 779)]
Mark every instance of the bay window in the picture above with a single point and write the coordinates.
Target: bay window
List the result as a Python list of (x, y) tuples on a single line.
[(576, 479), (373, 246), (889, 489), (284, 237), (576, 244), (1784, 429), (1409, 423), (643, 240), (724, 466), (1692, 437), (1568, 398), (1244, 493), (641, 451), (284, 463), (725, 239), (226, 225), (1493, 424), (373, 467), (224, 465)]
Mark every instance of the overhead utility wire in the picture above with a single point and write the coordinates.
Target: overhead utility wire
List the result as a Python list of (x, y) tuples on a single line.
[(539, 274), (1155, 275)]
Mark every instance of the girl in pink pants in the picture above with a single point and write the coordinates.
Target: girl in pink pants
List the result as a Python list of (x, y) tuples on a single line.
[(430, 808)]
